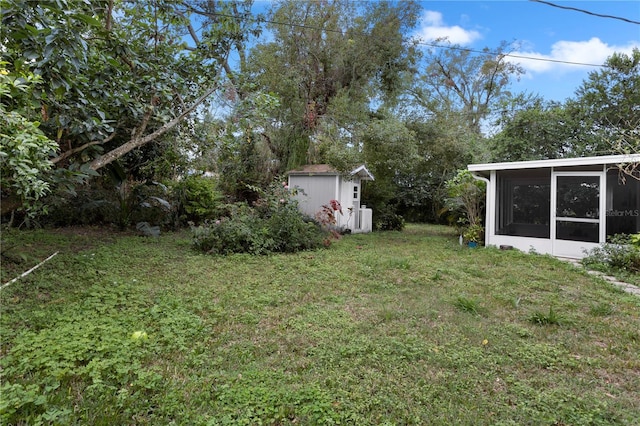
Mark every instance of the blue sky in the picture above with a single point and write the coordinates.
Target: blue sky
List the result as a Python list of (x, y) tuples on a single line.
[(539, 31)]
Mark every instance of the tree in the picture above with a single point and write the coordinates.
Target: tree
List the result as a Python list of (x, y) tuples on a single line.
[(464, 82), (389, 148), (117, 75), (120, 76), (442, 149), (323, 53), (534, 129), (607, 104)]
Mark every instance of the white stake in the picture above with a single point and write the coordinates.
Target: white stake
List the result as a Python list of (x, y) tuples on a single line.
[(24, 274)]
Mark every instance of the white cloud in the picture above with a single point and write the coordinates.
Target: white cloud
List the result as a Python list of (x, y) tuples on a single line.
[(593, 51), (433, 27)]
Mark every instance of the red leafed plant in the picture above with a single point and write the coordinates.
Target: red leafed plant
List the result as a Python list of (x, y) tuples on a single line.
[(335, 206), (326, 218)]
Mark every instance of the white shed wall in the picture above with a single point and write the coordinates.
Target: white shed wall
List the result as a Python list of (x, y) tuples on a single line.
[(318, 191)]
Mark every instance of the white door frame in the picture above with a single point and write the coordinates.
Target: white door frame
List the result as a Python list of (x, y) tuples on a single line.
[(566, 248)]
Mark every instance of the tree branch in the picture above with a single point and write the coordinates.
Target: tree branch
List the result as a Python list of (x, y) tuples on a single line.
[(191, 30), (69, 153), (109, 19), (137, 142)]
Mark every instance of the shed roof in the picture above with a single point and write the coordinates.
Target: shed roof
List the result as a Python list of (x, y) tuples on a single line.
[(327, 169), (560, 162)]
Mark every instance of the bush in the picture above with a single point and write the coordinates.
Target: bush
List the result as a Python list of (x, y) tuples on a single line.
[(464, 202), (197, 199), (291, 231), (240, 232), (99, 203), (387, 220), (619, 253), (273, 224)]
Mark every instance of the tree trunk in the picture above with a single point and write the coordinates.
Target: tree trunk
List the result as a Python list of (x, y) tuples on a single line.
[(9, 204)]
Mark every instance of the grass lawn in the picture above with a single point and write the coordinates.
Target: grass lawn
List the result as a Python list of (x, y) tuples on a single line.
[(384, 328)]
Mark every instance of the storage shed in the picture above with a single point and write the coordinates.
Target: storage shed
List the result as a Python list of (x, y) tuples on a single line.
[(321, 183), (561, 207)]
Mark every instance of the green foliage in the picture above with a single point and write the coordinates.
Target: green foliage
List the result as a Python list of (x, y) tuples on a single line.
[(465, 201), (474, 233), (389, 148), (24, 149), (197, 199), (550, 318), (602, 118), (89, 343), (104, 201), (150, 77), (621, 252), (462, 82), (606, 103), (274, 224), (334, 48), (242, 231), (466, 304), (532, 129), (385, 219), (245, 163), (443, 149)]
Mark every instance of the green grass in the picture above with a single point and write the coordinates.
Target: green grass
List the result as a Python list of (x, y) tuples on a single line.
[(384, 328)]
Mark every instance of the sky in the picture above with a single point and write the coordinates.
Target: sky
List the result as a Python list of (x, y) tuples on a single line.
[(539, 31)]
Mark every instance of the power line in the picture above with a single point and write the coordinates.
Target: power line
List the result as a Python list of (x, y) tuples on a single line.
[(512, 55), (586, 11), (440, 46)]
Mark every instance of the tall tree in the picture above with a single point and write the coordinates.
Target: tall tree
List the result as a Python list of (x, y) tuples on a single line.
[(534, 129), (443, 148), (607, 104), (327, 51), (117, 74), (468, 83)]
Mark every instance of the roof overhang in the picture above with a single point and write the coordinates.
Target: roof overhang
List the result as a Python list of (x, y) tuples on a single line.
[(326, 170), (560, 162), (362, 172)]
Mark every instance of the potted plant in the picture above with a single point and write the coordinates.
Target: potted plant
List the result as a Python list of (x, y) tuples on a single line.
[(473, 234)]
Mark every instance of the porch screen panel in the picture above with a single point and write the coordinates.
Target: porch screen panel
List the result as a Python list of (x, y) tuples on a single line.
[(623, 203), (523, 200), (577, 214)]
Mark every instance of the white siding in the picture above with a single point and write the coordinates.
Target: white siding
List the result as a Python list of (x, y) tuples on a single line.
[(316, 191)]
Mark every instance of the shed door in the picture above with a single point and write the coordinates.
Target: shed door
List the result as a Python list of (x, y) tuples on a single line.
[(577, 210)]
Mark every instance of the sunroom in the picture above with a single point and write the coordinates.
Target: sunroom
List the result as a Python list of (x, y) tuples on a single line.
[(561, 207)]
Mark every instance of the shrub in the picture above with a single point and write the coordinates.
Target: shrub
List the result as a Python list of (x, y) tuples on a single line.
[(464, 203), (197, 199), (273, 224), (619, 253), (240, 232), (387, 220), (291, 231), (128, 203)]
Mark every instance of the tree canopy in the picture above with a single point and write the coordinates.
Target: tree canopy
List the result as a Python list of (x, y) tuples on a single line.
[(156, 90)]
